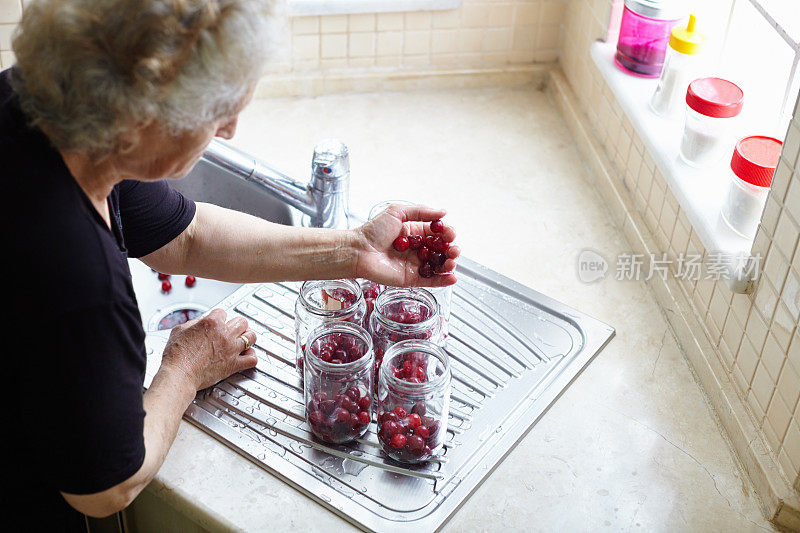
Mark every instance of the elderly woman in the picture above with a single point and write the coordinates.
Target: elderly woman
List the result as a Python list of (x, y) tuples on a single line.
[(107, 99)]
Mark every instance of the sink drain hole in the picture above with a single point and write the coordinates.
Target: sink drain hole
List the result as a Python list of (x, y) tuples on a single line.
[(175, 315)]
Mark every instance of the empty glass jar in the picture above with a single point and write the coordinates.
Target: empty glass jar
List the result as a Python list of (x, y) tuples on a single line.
[(322, 301), (413, 400), (444, 296), (338, 381)]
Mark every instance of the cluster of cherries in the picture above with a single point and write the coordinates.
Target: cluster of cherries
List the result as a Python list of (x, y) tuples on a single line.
[(402, 312), (343, 417), (338, 348), (409, 437), (431, 249), (166, 284), (371, 290), (412, 367)]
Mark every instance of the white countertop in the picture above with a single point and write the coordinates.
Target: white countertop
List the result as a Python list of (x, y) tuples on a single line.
[(631, 445)]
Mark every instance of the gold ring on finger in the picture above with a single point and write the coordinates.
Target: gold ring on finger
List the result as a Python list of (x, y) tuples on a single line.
[(246, 341)]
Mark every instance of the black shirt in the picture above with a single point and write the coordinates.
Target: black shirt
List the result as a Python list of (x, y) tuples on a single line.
[(75, 362)]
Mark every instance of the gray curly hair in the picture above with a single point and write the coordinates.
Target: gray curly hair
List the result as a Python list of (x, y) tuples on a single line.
[(89, 70)]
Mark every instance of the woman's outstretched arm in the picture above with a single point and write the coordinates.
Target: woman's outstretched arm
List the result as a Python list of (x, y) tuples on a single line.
[(231, 246)]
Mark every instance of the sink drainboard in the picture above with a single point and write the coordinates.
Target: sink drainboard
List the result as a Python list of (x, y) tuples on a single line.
[(513, 352)]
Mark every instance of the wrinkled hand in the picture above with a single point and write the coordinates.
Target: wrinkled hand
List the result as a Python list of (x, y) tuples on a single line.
[(380, 262), (209, 349)]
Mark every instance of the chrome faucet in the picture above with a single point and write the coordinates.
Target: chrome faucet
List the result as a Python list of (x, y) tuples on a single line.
[(324, 201)]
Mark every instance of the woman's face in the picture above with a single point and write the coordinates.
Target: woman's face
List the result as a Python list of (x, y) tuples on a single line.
[(160, 155)]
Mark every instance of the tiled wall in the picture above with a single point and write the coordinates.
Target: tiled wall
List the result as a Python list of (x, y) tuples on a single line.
[(481, 33), (478, 34), (756, 335), (10, 13)]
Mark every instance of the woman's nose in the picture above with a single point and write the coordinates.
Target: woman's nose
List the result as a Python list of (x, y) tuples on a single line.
[(228, 130)]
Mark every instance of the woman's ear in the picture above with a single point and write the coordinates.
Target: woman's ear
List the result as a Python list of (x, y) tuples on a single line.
[(130, 139)]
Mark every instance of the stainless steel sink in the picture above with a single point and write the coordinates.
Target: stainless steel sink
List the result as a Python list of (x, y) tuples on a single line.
[(513, 353)]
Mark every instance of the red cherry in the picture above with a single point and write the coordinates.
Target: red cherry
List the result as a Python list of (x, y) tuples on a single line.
[(363, 418), (163, 276), (426, 270), (320, 396), (424, 253), (400, 412), (350, 405), (422, 431), (166, 286), (364, 403), (401, 243), (414, 241), (436, 243), (353, 393), (316, 418), (390, 428), (190, 281), (437, 226), (436, 259), (354, 421), (398, 441), (414, 420), (416, 445), (341, 415)]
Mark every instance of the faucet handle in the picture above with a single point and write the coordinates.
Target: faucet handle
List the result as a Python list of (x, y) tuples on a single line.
[(331, 161)]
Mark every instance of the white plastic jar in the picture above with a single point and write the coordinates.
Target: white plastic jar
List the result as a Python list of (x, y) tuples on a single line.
[(752, 165), (712, 105)]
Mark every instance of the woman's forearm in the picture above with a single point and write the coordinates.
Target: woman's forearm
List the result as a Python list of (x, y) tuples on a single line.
[(231, 246), (164, 403)]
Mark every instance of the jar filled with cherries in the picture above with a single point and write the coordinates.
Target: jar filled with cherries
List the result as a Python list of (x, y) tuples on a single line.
[(401, 314), (338, 381), (322, 301), (413, 400)]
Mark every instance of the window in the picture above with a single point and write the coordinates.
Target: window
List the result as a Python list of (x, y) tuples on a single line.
[(300, 8), (755, 44)]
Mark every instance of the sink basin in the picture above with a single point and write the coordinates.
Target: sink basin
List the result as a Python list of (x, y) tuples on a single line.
[(205, 183), (513, 351)]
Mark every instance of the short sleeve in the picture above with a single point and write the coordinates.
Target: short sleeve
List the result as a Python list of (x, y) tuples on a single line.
[(98, 415), (152, 215)]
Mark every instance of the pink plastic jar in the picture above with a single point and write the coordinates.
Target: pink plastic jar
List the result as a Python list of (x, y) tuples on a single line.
[(644, 33)]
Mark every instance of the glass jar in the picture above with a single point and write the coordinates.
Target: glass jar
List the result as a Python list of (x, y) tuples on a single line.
[(380, 207), (401, 314), (322, 301), (712, 105), (338, 381), (413, 400), (752, 165), (643, 35), (680, 66), (444, 296)]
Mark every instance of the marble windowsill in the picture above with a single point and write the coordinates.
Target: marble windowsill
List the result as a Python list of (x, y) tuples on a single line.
[(700, 192), (301, 8)]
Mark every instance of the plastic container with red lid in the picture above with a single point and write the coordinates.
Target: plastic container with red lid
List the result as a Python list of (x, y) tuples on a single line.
[(753, 164), (712, 105)]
